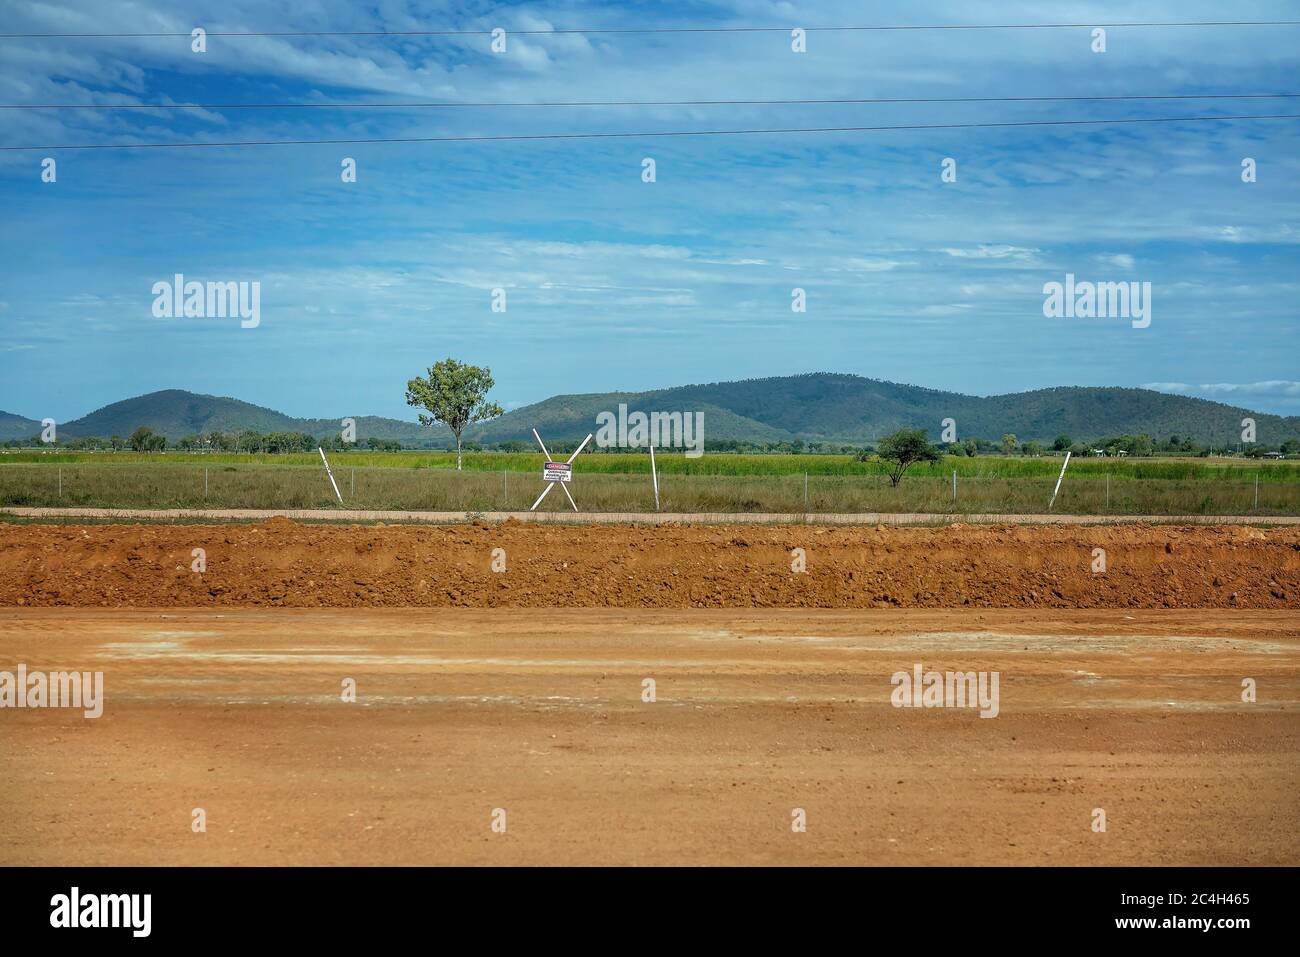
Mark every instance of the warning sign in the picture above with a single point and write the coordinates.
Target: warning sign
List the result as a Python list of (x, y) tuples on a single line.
[(557, 472)]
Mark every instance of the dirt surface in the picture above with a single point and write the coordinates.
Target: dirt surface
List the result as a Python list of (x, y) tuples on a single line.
[(757, 713), (287, 564), (1119, 690)]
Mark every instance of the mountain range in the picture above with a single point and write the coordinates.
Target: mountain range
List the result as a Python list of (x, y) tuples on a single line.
[(817, 407)]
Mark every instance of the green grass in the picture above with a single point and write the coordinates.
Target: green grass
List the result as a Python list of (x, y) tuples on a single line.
[(983, 485), (676, 463)]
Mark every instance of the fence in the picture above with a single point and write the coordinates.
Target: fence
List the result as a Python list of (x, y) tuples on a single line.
[(265, 486)]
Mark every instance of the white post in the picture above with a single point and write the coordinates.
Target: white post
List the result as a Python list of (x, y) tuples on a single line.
[(954, 485), (654, 476), (567, 493), (542, 444), (205, 483), (1058, 481), (1257, 491), (60, 481), (546, 491), (579, 448), (330, 473)]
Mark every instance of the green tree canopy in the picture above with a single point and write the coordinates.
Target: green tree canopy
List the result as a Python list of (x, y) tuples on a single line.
[(903, 448), (141, 438), (454, 394)]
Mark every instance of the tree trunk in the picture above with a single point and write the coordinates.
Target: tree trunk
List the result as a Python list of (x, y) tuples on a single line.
[(457, 451)]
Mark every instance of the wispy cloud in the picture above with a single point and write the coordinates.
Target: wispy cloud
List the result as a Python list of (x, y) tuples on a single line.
[(1272, 388), (991, 252)]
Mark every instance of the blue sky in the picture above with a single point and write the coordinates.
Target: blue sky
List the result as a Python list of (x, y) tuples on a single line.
[(613, 283)]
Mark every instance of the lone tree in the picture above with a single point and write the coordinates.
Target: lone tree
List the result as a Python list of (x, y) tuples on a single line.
[(903, 448), (454, 394)]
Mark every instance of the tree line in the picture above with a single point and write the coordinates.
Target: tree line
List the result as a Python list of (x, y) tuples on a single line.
[(145, 439), (1140, 446)]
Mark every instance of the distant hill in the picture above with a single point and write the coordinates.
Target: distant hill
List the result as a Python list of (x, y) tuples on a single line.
[(847, 409), (176, 413), (818, 407), (17, 427)]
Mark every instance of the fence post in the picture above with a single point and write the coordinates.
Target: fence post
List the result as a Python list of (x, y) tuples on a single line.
[(1257, 490), (954, 485), (1108, 491), (352, 493), (205, 482), (805, 491), (60, 481)]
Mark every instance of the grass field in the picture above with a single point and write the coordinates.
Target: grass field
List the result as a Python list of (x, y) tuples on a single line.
[(675, 463), (620, 482)]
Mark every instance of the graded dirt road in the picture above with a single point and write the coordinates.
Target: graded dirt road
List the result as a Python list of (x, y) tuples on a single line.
[(281, 563), (758, 712)]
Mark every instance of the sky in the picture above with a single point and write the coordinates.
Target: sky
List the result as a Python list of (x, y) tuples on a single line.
[(614, 283)]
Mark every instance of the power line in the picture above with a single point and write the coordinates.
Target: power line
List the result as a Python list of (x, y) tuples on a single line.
[(638, 103), (653, 133), (653, 30)]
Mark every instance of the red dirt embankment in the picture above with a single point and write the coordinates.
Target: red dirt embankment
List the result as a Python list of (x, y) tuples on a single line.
[(283, 563)]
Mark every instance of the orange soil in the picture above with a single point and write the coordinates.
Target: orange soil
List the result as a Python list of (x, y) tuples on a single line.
[(757, 713), (280, 562)]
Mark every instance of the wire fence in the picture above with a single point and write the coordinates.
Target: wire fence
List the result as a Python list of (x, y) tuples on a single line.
[(286, 487)]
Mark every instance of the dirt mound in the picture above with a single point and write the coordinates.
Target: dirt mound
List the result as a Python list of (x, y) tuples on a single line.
[(516, 565)]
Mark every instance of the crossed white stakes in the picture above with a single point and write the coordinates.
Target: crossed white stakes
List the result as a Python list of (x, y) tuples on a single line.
[(551, 484)]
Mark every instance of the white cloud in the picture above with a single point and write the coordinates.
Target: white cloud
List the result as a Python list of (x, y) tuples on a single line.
[(873, 265), (1269, 388), (985, 251)]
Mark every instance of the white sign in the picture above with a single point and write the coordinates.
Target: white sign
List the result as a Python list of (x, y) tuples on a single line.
[(557, 472)]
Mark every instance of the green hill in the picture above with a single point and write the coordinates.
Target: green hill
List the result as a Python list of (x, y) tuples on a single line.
[(17, 427), (827, 407), (176, 413), (823, 407)]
